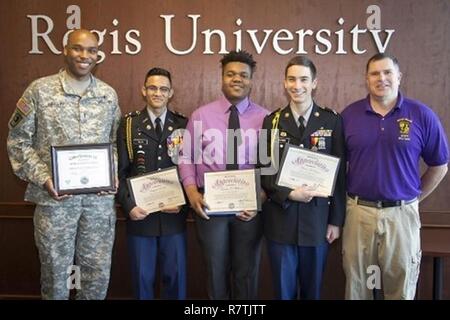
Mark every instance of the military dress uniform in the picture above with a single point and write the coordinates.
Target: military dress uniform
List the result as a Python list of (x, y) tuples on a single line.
[(160, 234), (296, 231), (51, 113)]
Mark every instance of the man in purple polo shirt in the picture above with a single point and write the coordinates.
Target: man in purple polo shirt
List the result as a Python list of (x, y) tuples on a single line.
[(386, 135), (231, 244)]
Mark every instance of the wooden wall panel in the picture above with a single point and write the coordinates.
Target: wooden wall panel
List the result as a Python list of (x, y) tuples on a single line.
[(19, 267)]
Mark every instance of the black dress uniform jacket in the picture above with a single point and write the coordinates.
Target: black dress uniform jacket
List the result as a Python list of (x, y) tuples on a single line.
[(299, 223), (145, 154)]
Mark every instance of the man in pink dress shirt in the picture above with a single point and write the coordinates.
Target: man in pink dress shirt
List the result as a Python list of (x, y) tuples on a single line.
[(231, 244)]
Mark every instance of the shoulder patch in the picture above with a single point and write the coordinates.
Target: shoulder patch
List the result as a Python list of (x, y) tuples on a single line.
[(329, 110), (23, 107), (16, 118), (133, 113)]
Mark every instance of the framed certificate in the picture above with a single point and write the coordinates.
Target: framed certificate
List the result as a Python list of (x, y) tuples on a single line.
[(232, 191), (83, 168), (303, 167), (157, 190)]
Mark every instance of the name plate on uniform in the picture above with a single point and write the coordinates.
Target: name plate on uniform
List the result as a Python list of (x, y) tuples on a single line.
[(232, 191), (303, 167), (83, 168), (157, 190)]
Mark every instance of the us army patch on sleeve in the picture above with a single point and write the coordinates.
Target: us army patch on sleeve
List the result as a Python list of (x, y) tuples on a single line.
[(23, 107), (16, 118)]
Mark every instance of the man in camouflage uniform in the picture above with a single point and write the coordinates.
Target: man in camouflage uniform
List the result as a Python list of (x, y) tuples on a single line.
[(71, 107)]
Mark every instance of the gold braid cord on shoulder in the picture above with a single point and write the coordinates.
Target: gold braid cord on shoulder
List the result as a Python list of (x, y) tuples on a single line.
[(274, 133), (128, 137), (276, 119)]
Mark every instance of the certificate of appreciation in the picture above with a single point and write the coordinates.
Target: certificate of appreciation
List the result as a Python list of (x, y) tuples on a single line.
[(303, 167), (157, 190), (84, 168), (232, 191)]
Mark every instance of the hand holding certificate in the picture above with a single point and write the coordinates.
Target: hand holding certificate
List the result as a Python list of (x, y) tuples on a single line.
[(232, 191), (157, 190), (305, 168), (85, 168)]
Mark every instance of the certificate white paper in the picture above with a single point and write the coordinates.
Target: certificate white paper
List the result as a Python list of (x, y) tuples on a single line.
[(303, 167), (232, 191), (83, 168), (157, 190)]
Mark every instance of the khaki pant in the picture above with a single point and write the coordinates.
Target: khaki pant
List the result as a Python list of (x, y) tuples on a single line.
[(381, 248)]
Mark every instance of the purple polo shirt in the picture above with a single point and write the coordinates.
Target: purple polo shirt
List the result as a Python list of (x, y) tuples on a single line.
[(205, 137), (383, 153)]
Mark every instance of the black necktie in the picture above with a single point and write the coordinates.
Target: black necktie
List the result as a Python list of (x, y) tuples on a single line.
[(158, 129), (301, 126), (233, 140)]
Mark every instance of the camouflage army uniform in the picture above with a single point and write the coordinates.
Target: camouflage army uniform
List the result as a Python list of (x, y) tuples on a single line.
[(50, 113)]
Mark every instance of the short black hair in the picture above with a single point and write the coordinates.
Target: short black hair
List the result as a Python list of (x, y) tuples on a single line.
[(239, 56), (301, 61), (381, 56), (158, 72)]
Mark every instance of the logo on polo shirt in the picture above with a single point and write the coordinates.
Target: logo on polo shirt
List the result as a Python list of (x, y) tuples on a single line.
[(404, 126)]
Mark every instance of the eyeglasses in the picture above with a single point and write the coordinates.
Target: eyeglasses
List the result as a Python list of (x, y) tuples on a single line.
[(80, 49), (154, 89)]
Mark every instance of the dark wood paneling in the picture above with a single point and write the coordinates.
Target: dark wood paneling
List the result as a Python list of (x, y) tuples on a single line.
[(19, 267)]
